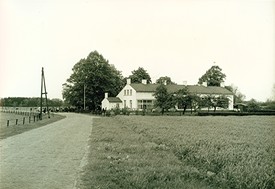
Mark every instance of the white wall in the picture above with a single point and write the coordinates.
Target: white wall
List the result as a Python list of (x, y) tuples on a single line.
[(231, 102), (105, 104), (145, 96), (109, 105), (114, 105), (135, 96), (127, 98)]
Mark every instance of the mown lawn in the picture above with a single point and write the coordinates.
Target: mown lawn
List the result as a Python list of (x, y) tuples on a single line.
[(181, 152)]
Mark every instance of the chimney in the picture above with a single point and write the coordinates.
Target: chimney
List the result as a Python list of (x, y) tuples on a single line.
[(106, 95), (128, 81), (222, 84), (144, 81), (204, 83), (165, 82), (184, 83)]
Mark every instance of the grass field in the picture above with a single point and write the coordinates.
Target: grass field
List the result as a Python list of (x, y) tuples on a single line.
[(14, 129), (181, 152)]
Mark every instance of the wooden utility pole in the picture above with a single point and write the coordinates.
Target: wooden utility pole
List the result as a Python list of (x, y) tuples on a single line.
[(84, 97), (43, 86)]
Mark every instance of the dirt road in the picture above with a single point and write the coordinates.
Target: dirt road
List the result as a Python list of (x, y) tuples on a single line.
[(47, 157)]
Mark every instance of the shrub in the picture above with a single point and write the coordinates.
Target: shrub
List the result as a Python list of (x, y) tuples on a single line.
[(116, 111), (108, 113), (125, 111)]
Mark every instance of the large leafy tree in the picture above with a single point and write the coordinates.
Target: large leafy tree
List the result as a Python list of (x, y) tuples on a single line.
[(220, 101), (212, 101), (269, 104), (95, 76), (253, 105), (183, 99), (55, 102), (164, 79), (140, 74), (206, 101), (164, 100), (213, 76), (195, 102)]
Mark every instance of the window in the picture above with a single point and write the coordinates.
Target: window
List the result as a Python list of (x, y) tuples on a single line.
[(131, 92), (131, 104), (124, 92), (127, 92), (145, 104)]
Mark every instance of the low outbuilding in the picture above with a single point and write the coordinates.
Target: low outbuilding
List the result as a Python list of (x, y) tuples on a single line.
[(109, 103)]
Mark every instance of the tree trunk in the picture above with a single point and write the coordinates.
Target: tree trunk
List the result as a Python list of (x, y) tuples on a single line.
[(184, 109)]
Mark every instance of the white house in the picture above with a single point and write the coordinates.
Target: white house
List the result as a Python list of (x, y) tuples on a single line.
[(109, 103), (140, 95)]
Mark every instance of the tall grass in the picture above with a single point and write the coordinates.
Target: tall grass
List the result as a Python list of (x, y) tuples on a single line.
[(181, 152)]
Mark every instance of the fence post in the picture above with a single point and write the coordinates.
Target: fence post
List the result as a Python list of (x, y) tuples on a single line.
[(23, 120), (29, 119), (33, 118), (16, 121), (8, 123)]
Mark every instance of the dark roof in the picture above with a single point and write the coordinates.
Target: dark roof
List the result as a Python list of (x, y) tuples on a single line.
[(240, 104), (196, 89), (139, 87), (114, 99)]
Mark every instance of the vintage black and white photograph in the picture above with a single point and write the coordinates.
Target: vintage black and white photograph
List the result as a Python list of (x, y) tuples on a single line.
[(137, 94)]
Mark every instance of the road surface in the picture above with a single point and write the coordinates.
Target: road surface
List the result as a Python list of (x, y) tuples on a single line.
[(46, 157)]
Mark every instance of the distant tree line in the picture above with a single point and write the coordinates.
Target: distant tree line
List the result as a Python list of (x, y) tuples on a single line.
[(29, 102), (254, 105)]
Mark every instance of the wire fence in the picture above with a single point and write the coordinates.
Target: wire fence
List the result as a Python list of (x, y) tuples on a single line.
[(19, 112), (16, 117)]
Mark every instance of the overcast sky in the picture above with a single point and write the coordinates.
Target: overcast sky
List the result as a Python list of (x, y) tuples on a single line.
[(175, 38)]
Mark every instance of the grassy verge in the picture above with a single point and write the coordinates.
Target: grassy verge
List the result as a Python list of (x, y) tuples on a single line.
[(181, 152), (18, 129)]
